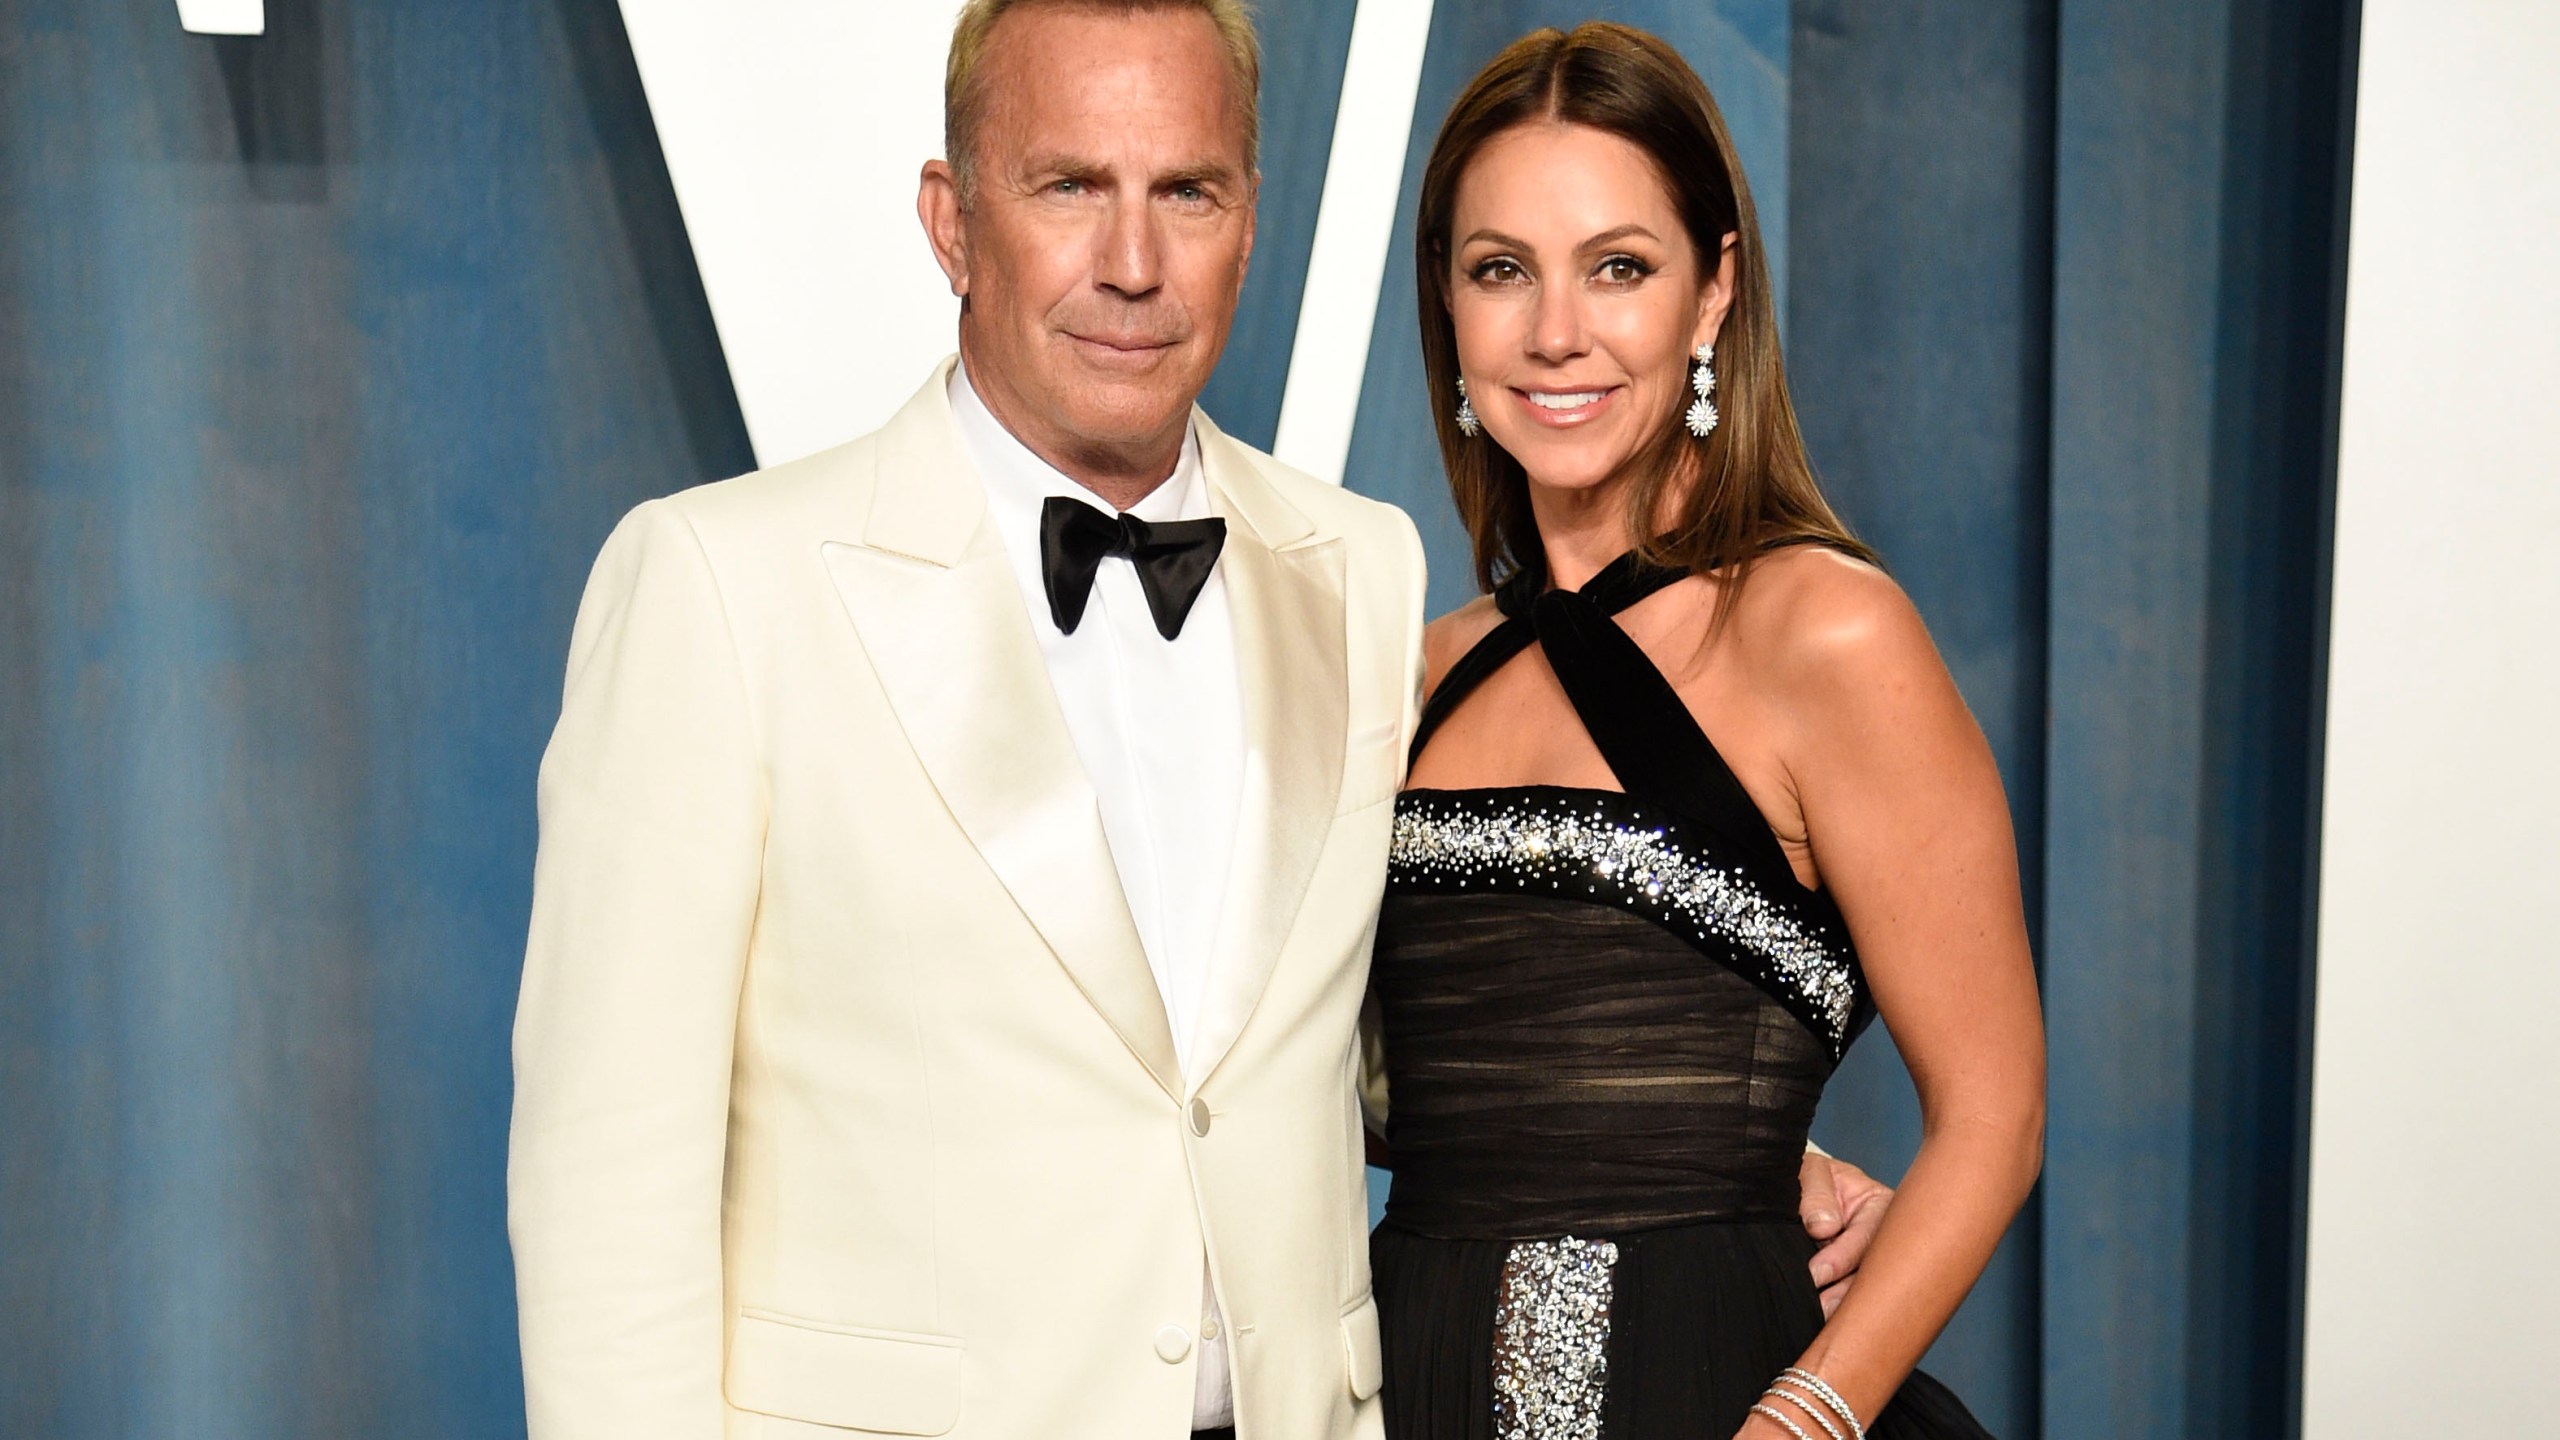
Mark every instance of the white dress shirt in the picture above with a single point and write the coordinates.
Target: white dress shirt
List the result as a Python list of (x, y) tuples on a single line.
[(1159, 725)]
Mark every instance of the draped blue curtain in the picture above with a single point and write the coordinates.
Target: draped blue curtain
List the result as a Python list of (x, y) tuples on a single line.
[(326, 360), (2198, 274), (1918, 351)]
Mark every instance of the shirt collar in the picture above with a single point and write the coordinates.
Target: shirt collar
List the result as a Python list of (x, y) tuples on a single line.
[(1017, 480)]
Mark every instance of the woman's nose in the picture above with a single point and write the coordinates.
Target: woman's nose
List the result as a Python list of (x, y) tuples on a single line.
[(1556, 331)]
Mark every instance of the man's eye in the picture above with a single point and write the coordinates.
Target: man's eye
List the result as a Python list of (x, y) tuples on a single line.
[(1068, 187), (1189, 194)]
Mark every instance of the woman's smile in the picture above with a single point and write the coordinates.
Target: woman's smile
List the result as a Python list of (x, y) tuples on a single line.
[(1563, 409)]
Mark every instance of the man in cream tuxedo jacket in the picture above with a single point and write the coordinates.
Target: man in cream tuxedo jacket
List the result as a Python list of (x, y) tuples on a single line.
[(939, 1013)]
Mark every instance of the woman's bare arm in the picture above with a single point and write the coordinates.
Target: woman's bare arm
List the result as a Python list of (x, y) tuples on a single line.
[(1910, 833)]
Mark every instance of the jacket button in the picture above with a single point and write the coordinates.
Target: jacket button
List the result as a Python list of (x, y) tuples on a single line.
[(1199, 1117), (1172, 1343)]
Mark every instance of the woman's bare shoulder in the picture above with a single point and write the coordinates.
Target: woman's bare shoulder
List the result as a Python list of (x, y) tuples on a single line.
[(1447, 639), (1814, 621)]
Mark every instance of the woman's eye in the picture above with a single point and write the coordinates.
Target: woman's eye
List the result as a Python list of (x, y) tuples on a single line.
[(1498, 272), (1623, 270)]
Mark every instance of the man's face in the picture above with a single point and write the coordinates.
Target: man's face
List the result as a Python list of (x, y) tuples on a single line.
[(1102, 253)]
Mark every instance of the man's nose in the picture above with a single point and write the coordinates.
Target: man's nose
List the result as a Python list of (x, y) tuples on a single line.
[(1131, 261)]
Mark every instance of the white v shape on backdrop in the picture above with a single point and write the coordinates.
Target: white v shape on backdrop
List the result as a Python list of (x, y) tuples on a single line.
[(794, 131), (223, 17)]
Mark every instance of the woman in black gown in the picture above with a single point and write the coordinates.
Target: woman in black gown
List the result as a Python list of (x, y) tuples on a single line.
[(1618, 958)]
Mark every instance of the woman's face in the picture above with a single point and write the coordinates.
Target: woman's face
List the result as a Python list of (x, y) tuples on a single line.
[(1577, 298)]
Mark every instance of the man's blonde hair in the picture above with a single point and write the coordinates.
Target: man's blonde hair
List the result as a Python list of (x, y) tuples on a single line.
[(964, 99)]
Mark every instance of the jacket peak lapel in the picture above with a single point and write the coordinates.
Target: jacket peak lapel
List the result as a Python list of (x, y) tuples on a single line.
[(941, 617), (1286, 596)]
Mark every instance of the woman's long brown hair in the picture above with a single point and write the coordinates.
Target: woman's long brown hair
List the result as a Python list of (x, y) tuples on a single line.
[(1716, 505)]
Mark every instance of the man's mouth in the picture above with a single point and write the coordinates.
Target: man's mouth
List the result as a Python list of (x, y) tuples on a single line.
[(1132, 345)]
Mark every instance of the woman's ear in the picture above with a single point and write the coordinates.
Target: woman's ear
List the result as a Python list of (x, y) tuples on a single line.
[(1717, 297)]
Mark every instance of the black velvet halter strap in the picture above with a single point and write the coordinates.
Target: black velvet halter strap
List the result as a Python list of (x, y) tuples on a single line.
[(1634, 717)]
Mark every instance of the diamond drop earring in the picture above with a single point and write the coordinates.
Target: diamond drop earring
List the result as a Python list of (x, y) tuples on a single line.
[(1702, 415), (1468, 425)]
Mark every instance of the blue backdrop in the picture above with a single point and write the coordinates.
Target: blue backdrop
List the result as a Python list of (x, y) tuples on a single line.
[(326, 361), (327, 358)]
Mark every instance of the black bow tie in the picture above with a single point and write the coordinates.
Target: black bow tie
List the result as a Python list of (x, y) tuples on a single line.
[(1173, 557)]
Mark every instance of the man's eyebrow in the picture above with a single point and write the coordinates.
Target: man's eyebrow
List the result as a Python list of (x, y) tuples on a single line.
[(1207, 172), (1059, 162), (1217, 174)]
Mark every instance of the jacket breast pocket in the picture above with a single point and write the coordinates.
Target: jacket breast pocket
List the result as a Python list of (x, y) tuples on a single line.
[(1372, 764), (885, 1381)]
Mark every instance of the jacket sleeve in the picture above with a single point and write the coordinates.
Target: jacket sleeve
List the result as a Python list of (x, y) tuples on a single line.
[(645, 886)]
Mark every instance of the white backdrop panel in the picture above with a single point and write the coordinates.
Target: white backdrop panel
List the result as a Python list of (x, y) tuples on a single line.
[(794, 130), (224, 17), (1354, 227), (2434, 1272)]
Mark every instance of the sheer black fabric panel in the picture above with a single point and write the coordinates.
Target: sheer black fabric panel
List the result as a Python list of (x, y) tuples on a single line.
[(1565, 1067)]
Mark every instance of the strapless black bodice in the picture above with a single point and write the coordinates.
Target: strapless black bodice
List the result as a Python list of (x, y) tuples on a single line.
[(1608, 1017), (1597, 1021)]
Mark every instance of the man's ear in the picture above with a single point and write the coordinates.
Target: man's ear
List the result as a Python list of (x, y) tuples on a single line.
[(1717, 298), (946, 225)]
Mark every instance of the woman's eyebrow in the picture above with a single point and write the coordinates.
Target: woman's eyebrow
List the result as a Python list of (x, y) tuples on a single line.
[(1612, 237), (1605, 237)]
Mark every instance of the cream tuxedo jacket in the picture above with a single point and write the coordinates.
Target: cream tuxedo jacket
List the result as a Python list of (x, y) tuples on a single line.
[(845, 1102)]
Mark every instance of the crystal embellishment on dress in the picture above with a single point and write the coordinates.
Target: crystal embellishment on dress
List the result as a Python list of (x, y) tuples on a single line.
[(1551, 1339), (1583, 850)]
